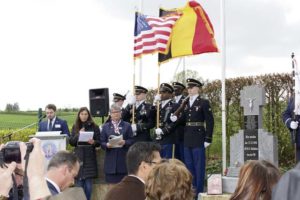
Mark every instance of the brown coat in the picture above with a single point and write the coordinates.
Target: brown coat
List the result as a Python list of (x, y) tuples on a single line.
[(130, 188)]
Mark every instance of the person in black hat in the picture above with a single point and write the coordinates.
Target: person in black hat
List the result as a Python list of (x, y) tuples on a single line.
[(118, 99), (144, 117), (197, 137), (178, 98), (165, 133)]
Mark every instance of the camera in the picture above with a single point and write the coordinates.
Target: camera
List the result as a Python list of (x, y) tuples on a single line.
[(11, 152)]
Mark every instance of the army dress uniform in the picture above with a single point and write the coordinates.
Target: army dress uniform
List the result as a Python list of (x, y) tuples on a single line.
[(166, 108), (144, 117), (287, 117), (179, 145), (199, 123)]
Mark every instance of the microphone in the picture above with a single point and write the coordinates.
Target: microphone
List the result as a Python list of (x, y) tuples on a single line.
[(25, 127)]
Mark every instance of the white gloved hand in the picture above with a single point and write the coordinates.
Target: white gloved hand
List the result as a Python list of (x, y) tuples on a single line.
[(294, 125), (206, 144), (157, 98), (130, 99), (133, 126), (100, 127), (173, 118), (158, 133)]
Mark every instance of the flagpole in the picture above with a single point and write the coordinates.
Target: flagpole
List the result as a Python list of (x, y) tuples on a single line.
[(295, 103), (141, 59), (223, 53), (183, 67), (157, 103), (133, 91)]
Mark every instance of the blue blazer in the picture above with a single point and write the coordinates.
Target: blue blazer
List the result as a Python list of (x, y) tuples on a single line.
[(115, 158), (58, 125), (52, 188)]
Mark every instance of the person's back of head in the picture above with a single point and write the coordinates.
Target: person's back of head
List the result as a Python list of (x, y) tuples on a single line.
[(169, 180), (256, 179), (141, 152), (63, 158)]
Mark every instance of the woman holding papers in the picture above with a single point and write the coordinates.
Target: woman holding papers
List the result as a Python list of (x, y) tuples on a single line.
[(85, 137), (116, 138)]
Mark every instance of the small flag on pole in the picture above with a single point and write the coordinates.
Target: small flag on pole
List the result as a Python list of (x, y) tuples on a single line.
[(152, 34)]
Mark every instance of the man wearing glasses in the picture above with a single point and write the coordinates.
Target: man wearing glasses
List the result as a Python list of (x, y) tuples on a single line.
[(141, 158)]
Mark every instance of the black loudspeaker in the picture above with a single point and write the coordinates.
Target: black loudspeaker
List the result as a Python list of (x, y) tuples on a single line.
[(99, 102)]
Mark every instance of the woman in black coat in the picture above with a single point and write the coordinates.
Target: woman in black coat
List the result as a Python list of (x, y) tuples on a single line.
[(85, 150)]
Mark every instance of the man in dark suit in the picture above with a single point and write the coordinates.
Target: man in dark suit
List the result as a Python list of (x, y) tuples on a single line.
[(53, 123), (178, 98), (165, 133), (141, 158), (61, 172), (144, 117)]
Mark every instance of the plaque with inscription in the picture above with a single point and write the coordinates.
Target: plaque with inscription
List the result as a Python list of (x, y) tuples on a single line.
[(250, 145)]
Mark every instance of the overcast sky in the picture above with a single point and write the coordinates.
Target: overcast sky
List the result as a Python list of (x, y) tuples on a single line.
[(54, 51)]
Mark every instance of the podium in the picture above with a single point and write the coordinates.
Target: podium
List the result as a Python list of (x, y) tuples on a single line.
[(52, 142)]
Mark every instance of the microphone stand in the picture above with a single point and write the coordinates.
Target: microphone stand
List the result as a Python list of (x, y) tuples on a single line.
[(25, 127)]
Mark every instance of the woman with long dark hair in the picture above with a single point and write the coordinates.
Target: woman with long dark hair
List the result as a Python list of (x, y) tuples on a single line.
[(86, 152), (256, 180)]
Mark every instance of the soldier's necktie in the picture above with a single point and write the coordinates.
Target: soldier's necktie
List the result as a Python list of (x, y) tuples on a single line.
[(50, 125)]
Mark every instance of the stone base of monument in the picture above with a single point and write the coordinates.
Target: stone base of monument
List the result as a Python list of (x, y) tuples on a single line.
[(229, 184)]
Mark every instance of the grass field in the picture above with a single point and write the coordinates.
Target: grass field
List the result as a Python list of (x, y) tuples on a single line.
[(20, 120)]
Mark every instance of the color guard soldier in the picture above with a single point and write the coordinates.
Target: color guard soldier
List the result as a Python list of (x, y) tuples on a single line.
[(197, 113), (165, 134), (119, 99), (178, 98), (144, 117)]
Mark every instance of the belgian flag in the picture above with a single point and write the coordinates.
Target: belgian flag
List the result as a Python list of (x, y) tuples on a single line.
[(192, 34)]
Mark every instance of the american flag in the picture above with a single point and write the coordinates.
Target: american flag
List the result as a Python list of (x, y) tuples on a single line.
[(151, 34)]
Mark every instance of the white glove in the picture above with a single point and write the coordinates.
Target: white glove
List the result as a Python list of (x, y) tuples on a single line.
[(133, 126), (158, 133), (206, 144), (156, 98), (294, 125), (130, 99), (100, 127), (173, 118)]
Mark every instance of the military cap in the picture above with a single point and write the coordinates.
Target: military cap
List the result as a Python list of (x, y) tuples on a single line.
[(178, 85), (165, 87), (118, 97), (140, 89), (193, 83)]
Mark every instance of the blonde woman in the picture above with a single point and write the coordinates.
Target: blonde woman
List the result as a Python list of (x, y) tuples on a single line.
[(169, 180)]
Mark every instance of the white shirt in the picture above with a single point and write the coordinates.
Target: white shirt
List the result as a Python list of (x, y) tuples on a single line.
[(177, 98), (53, 120), (164, 103), (137, 178), (54, 184), (138, 103), (192, 99)]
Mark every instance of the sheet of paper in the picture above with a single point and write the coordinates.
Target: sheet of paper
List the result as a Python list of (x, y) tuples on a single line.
[(85, 136), (114, 140)]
